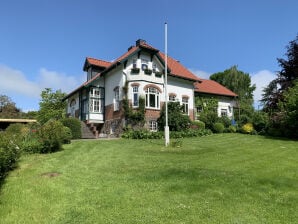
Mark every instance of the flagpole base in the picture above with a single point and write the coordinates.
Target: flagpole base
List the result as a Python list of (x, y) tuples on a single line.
[(167, 135)]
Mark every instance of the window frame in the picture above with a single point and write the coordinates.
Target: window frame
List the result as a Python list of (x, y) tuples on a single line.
[(185, 105), (116, 98), (96, 96), (223, 112), (135, 92), (152, 93), (153, 126)]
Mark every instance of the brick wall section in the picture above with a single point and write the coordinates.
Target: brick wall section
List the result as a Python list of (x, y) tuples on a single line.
[(114, 122)]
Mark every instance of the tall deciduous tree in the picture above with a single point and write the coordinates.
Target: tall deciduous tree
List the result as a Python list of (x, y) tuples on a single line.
[(8, 108), (51, 105), (273, 93), (240, 83)]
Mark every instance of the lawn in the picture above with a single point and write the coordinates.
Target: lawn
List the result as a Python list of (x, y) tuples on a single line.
[(224, 178)]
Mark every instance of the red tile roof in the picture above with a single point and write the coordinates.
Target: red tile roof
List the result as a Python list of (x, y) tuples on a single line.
[(212, 87), (97, 62), (177, 69)]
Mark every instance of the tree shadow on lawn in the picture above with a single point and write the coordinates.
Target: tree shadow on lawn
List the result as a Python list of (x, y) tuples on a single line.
[(200, 180), (280, 138)]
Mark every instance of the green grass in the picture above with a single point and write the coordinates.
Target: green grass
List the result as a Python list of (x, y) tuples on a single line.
[(226, 178)]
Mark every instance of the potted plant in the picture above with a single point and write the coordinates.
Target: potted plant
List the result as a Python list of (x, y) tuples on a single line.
[(135, 70), (148, 71)]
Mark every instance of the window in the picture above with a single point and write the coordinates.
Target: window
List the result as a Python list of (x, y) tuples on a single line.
[(224, 112), (154, 67), (152, 125), (144, 64), (72, 107), (172, 97), (96, 99), (185, 105), (152, 98), (116, 99), (135, 96), (134, 63), (199, 109)]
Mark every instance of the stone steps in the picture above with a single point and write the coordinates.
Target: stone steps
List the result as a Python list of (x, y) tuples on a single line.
[(89, 131)]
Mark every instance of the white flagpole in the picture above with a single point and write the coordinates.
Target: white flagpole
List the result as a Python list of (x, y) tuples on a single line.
[(167, 131)]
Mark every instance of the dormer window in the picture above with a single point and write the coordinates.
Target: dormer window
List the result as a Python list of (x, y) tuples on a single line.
[(144, 64), (134, 63), (154, 67)]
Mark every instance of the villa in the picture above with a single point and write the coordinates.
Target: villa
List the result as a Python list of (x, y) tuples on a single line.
[(98, 101)]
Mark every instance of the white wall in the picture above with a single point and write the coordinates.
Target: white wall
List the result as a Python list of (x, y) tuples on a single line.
[(227, 104), (142, 75), (112, 80), (181, 88), (69, 100)]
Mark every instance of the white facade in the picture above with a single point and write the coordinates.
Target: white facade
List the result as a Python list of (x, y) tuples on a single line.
[(226, 107)]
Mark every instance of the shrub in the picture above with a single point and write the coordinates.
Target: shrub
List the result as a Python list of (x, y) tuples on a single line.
[(176, 120), (225, 120), (247, 128), (9, 153), (145, 134), (31, 145), (198, 124), (75, 126), (232, 129), (218, 127), (51, 136), (66, 135), (260, 121)]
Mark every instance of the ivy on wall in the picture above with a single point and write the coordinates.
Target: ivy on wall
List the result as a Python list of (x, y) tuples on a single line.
[(133, 116)]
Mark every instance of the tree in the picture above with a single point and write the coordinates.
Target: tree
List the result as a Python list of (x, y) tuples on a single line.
[(240, 83), (51, 105), (289, 110), (274, 92), (176, 120), (8, 108)]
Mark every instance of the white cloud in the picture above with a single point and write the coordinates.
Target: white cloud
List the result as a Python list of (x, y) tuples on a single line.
[(261, 79), (25, 92), (200, 73), (15, 82), (58, 80)]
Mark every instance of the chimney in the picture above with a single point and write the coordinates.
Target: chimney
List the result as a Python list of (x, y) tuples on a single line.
[(139, 42), (128, 49)]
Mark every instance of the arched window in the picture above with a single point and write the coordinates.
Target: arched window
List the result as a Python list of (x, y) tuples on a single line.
[(152, 98)]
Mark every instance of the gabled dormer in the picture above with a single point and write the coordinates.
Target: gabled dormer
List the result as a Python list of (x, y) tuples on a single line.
[(94, 66)]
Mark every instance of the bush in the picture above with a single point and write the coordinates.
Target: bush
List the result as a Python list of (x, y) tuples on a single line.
[(145, 134), (176, 120), (247, 128), (225, 120), (31, 145), (9, 153), (218, 127), (260, 121), (66, 135), (232, 129), (51, 136), (198, 124), (75, 126)]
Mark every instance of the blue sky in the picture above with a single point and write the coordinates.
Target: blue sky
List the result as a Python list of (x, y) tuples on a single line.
[(43, 43)]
